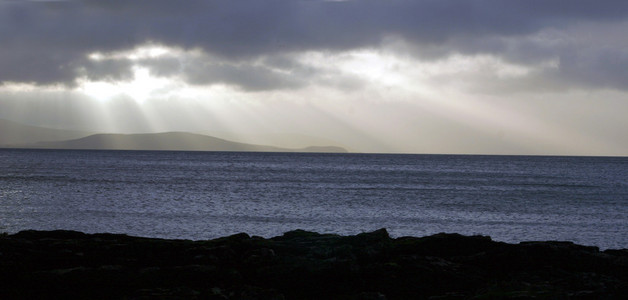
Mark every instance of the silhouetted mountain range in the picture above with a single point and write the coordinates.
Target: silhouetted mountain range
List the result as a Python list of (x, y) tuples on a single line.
[(16, 135)]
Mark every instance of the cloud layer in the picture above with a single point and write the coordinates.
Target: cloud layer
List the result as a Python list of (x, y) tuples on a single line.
[(255, 45)]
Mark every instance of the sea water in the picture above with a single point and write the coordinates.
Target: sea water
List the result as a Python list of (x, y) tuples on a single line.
[(203, 195)]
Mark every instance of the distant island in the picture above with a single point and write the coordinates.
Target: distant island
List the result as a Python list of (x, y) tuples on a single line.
[(15, 135)]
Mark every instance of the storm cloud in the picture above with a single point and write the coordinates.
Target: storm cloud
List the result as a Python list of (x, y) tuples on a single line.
[(49, 43)]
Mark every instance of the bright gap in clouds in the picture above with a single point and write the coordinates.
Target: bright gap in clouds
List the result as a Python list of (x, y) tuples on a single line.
[(142, 87), (143, 84)]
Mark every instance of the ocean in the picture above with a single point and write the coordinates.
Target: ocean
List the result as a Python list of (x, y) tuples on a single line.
[(204, 195)]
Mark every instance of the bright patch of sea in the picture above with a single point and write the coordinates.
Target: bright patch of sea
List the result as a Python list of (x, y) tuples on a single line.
[(202, 195)]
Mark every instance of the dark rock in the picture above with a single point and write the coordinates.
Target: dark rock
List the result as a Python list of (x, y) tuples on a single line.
[(304, 265), (55, 234), (617, 252)]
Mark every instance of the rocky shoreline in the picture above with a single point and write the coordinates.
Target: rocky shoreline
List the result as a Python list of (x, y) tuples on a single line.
[(304, 265)]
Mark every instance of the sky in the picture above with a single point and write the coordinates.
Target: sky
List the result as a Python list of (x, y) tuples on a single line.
[(540, 77)]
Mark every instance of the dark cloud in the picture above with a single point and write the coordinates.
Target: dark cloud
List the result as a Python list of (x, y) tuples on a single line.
[(169, 66), (266, 73), (47, 43), (107, 70), (605, 68), (252, 77), (35, 66)]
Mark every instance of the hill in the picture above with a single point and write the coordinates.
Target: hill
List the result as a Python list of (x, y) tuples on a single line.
[(173, 141), (13, 133), (16, 135)]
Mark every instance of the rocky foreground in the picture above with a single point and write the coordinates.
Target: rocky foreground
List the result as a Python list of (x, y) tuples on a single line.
[(304, 265)]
